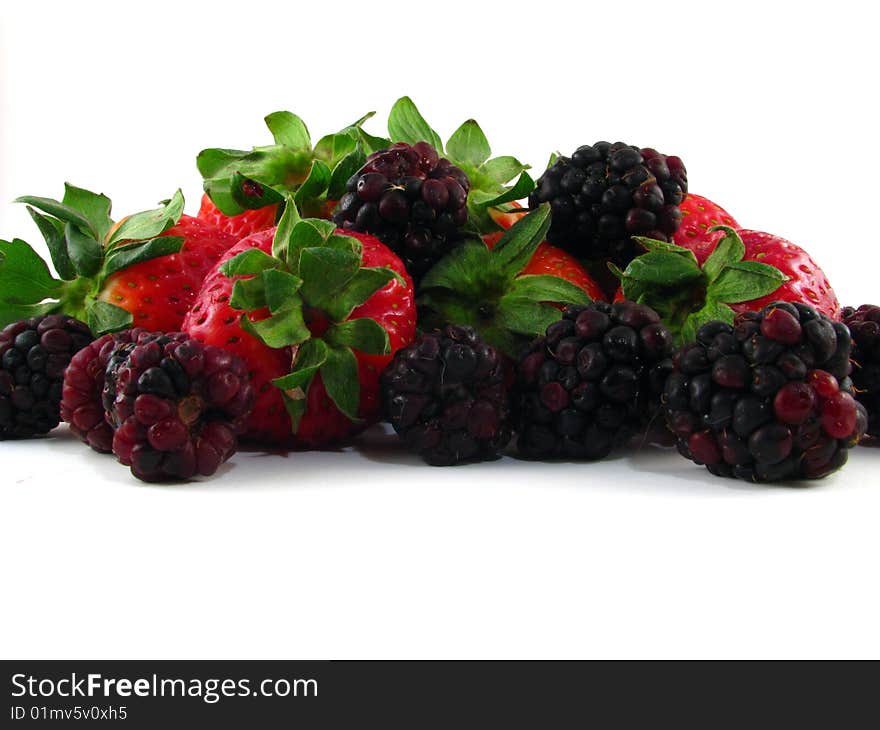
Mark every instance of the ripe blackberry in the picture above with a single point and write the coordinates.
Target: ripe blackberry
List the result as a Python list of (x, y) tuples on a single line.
[(446, 396), (175, 404), (592, 382), (34, 354), (767, 399), (864, 324), (412, 200), (606, 193)]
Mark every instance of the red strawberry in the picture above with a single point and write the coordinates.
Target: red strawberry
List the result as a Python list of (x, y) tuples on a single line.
[(506, 219), (144, 270), (699, 214), (322, 421), (241, 225)]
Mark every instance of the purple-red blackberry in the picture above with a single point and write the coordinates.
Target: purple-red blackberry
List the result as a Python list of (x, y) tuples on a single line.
[(412, 200), (864, 324), (767, 399), (446, 396), (176, 405), (592, 382), (34, 353), (606, 193)]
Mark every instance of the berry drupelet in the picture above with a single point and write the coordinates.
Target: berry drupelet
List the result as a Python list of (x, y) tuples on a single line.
[(175, 404), (767, 399), (412, 200), (593, 382), (34, 353), (446, 396), (864, 324), (606, 193)]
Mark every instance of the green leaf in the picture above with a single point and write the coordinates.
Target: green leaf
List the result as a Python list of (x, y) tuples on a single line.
[(523, 186), (85, 252), (53, 232), (149, 223), (363, 334), (347, 167), (654, 246), (663, 269), (10, 313), (309, 233), (366, 282), (95, 208), (729, 250), (248, 294), (525, 316), (548, 288), (62, 212), (712, 310), (744, 281), (373, 144), (24, 276), (310, 356), (315, 185), (250, 194), (515, 249), (252, 261), (469, 145), (502, 169), (339, 373), (283, 328), (122, 257), (462, 269), (325, 271), (406, 124), (103, 317), (333, 147), (283, 232), (281, 288), (211, 162), (289, 130)]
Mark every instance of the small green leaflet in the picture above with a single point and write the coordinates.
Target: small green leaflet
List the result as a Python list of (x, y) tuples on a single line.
[(406, 124), (311, 355), (103, 317), (744, 281), (122, 257), (362, 334), (289, 130), (24, 276), (149, 223), (468, 144), (52, 231), (85, 252), (252, 261), (94, 207), (547, 288), (525, 316), (339, 374), (519, 242), (729, 250)]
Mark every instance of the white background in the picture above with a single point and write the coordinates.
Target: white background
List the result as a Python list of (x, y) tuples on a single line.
[(369, 553)]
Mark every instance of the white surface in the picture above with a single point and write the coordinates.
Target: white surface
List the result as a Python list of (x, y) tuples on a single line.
[(370, 554)]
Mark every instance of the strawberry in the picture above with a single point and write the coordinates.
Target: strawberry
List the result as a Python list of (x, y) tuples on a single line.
[(339, 306), (699, 215), (508, 288), (144, 270), (744, 271), (240, 225)]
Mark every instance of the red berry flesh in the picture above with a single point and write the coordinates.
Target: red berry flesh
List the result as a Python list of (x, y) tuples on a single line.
[(794, 403), (839, 415)]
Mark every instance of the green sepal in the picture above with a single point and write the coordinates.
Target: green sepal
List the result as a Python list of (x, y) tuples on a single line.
[(240, 187), (252, 261), (149, 223), (523, 186), (468, 144), (366, 282), (363, 334), (122, 257), (248, 294), (653, 246), (315, 185), (729, 250), (339, 374), (103, 317), (663, 269), (406, 124), (518, 244), (744, 281), (524, 316), (62, 212), (325, 271), (548, 288), (289, 130), (285, 327), (52, 231), (710, 311), (281, 289), (503, 169), (94, 207), (284, 230), (85, 252), (462, 269), (347, 167), (310, 356), (336, 146), (371, 143), (10, 313), (24, 276)]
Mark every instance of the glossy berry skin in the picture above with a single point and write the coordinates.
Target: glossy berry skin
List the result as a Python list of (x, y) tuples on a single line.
[(412, 200), (606, 193), (34, 354), (864, 323), (446, 397), (592, 382), (160, 292), (766, 399), (213, 321), (176, 405), (698, 215), (241, 225)]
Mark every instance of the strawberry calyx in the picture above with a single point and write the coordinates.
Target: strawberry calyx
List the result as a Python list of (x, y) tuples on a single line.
[(86, 247), (669, 279), (486, 289), (240, 180), (308, 287), (468, 149)]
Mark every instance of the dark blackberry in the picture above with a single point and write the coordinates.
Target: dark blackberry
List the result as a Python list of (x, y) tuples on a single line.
[(592, 382), (864, 324), (34, 353), (412, 200), (176, 405), (446, 396), (606, 193), (767, 399)]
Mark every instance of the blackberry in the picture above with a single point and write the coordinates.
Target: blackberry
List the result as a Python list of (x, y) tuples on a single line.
[(864, 324), (446, 396), (592, 382), (175, 404), (767, 399), (412, 200), (34, 353), (606, 193)]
